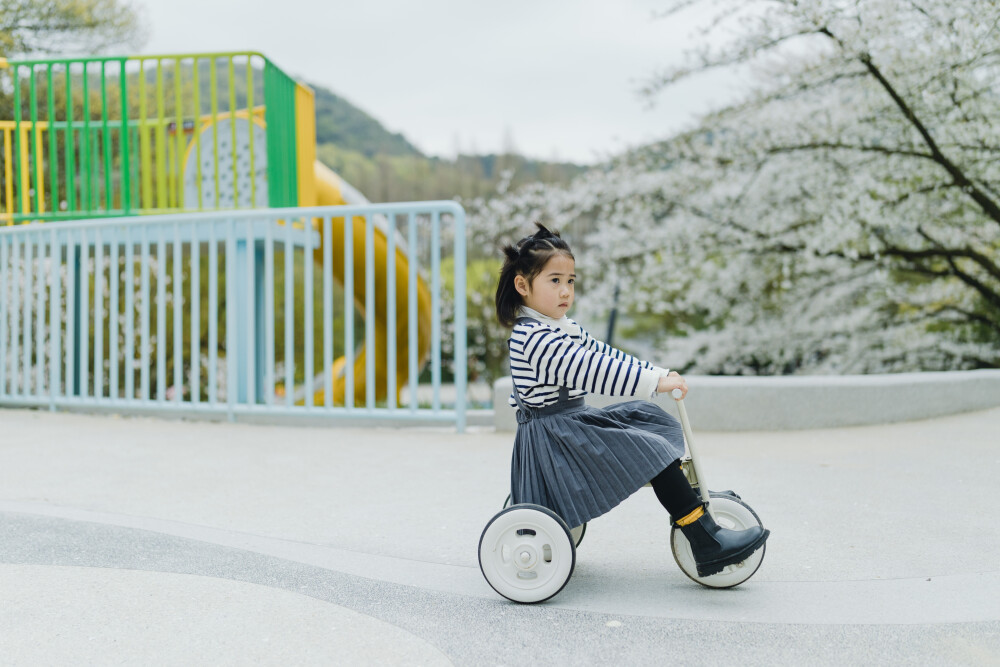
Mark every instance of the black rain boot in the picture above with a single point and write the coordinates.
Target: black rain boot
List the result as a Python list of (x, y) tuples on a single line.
[(715, 547)]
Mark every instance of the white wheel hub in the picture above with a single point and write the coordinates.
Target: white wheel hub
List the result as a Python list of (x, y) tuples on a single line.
[(526, 558)]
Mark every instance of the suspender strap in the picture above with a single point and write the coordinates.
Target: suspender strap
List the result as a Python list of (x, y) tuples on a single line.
[(524, 412), (522, 409)]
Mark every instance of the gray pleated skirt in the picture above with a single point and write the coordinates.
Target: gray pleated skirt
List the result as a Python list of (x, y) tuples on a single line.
[(581, 461)]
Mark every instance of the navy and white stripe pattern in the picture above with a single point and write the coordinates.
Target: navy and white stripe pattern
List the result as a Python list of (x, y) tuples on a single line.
[(544, 357)]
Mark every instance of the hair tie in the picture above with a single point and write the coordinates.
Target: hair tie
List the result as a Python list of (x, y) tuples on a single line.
[(543, 235)]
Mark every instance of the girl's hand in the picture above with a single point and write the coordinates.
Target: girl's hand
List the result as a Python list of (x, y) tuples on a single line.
[(670, 382)]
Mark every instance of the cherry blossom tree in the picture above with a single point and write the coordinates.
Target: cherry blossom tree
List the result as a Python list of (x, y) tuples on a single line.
[(844, 216)]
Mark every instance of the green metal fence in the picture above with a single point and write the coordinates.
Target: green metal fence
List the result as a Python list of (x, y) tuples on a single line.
[(96, 137)]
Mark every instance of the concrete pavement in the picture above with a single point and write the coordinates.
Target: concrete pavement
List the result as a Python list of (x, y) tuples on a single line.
[(137, 540)]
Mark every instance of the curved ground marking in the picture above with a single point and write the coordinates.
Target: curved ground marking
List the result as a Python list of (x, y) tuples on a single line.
[(962, 598), (81, 615)]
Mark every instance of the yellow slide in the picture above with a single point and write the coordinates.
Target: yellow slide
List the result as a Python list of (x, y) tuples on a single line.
[(320, 186), (332, 191)]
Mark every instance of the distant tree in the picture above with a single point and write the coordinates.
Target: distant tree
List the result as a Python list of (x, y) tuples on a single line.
[(843, 217), (58, 27)]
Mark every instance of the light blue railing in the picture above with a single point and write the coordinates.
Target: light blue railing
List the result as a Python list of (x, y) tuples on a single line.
[(240, 314)]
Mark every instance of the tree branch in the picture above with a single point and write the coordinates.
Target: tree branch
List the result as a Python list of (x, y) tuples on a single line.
[(921, 191), (991, 296), (971, 316), (988, 205), (707, 63), (851, 147), (967, 252)]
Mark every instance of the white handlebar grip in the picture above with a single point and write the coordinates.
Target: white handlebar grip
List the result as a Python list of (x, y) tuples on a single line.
[(677, 393)]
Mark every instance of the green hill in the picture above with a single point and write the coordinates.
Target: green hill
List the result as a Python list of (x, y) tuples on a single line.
[(342, 124), (386, 167)]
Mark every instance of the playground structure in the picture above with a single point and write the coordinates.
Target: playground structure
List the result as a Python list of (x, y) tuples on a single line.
[(193, 139)]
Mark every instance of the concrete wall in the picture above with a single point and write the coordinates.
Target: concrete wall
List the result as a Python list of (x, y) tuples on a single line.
[(801, 402)]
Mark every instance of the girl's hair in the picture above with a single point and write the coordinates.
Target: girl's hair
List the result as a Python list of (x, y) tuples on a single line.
[(525, 258)]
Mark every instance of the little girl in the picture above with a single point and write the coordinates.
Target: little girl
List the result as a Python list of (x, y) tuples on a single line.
[(581, 461)]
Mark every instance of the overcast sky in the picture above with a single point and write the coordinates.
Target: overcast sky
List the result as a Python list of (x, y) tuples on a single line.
[(560, 79)]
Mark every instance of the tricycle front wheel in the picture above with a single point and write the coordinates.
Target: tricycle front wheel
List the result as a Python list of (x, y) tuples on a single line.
[(729, 512)]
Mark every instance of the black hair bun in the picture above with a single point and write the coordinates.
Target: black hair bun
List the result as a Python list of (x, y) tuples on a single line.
[(544, 232)]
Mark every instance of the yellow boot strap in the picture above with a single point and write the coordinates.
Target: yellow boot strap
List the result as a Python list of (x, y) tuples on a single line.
[(692, 517)]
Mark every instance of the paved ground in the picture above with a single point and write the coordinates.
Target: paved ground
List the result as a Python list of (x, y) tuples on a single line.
[(141, 541)]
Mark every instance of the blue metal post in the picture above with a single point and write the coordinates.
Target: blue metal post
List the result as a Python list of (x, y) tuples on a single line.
[(55, 326), (436, 309), (411, 305), (235, 314), (260, 322), (328, 312), (307, 306), (349, 311), (461, 354), (4, 267), (370, 352), (98, 314), (390, 303), (268, 310), (78, 318)]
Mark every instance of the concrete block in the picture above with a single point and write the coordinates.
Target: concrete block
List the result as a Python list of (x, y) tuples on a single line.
[(778, 403)]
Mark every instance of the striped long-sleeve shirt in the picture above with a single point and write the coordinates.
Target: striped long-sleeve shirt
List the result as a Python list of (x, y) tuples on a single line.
[(544, 356)]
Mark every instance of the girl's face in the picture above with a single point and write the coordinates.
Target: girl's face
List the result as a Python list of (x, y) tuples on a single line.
[(551, 291)]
